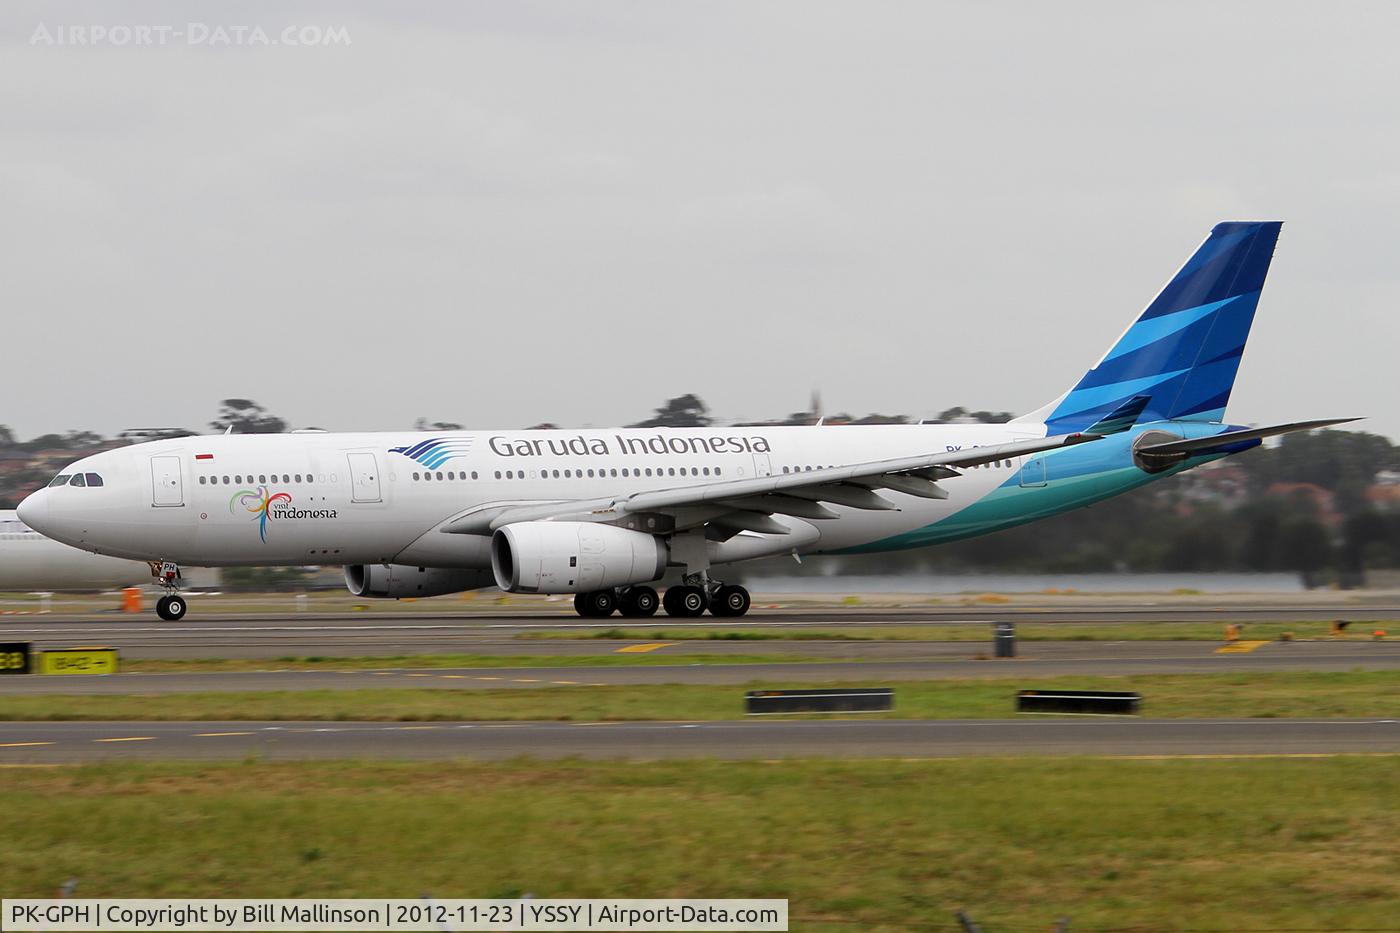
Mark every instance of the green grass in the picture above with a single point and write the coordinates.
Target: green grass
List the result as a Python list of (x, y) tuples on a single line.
[(440, 661), (1358, 694), (1234, 845), (981, 631)]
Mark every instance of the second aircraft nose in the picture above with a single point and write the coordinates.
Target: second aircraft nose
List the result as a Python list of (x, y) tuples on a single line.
[(34, 511)]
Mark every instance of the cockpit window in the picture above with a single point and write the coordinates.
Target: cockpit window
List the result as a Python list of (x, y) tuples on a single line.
[(94, 479), (77, 480), (60, 480)]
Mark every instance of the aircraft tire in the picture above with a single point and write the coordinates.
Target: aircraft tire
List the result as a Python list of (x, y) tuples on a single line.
[(171, 608), (639, 602), (685, 602), (599, 604), (730, 601)]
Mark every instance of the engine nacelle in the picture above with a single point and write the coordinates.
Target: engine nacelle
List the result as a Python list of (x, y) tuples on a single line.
[(395, 581), (573, 557)]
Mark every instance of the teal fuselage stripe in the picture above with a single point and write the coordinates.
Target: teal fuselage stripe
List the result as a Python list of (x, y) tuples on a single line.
[(1074, 477)]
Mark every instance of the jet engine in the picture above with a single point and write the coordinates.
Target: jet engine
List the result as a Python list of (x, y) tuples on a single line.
[(395, 581), (573, 557)]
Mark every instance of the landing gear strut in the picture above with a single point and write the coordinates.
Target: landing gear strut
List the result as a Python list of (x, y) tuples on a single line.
[(172, 606)]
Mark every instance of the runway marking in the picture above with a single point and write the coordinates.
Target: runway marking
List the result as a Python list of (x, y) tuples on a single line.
[(129, 738), (1224, 756), (418, 675), (453, 676), (22, 744), (601, 722), (489, 678), (522, 680), (1240, 647), (210, 735), (642, 649), (570, 682), (412, 728)]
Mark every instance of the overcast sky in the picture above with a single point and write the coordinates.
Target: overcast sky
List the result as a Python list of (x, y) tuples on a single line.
[(510, 212)]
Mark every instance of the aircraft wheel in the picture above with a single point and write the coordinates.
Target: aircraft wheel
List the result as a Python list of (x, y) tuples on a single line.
[(171, 608), (686, 602), (598, 604), (639, 602), (730, 601)]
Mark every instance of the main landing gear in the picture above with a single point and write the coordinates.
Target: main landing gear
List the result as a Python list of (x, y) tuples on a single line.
[(689, 600), (172, 606)]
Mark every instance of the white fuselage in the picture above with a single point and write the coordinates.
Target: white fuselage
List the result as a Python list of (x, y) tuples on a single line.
[(295, 499)]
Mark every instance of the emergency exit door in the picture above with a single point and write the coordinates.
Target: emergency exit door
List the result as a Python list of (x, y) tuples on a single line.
[(166, 487), (364, 477)]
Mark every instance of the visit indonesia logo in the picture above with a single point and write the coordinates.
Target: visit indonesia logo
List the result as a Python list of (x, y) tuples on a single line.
[(264, 504)]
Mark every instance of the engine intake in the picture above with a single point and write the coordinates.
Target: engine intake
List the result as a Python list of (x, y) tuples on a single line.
[(395, 581), (573, 557)]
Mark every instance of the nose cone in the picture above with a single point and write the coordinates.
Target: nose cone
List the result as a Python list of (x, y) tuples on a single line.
[(34, 511)]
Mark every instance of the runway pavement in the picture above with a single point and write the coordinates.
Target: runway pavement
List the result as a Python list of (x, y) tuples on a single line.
[(958, 660), (390, 632), (71, 742)]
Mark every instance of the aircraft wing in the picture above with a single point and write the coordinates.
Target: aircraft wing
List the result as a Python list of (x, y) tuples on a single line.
[(745, 504)]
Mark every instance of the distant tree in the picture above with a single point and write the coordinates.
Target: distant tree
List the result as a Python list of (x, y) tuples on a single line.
[(247, 417), (7, 437), (685, 411), (423, 424), (77, 440), (958, 413), (45, 442), (875, 418)]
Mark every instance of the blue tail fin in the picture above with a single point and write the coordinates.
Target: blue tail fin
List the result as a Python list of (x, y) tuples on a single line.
[(1184, 351)]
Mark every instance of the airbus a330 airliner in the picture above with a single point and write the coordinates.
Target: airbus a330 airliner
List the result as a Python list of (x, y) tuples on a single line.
[(603, 514)]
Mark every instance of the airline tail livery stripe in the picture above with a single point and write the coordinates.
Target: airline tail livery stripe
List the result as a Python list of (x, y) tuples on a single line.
[(1184, 350)]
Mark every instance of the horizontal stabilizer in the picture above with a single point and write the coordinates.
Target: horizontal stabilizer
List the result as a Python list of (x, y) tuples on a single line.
[(1121, 418), (1203, 445)]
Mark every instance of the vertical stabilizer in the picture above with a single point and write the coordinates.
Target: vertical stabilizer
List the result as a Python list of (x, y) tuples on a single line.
[(1183, 352)]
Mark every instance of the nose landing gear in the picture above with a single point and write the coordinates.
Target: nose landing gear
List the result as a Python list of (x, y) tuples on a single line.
[(172, 606)]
